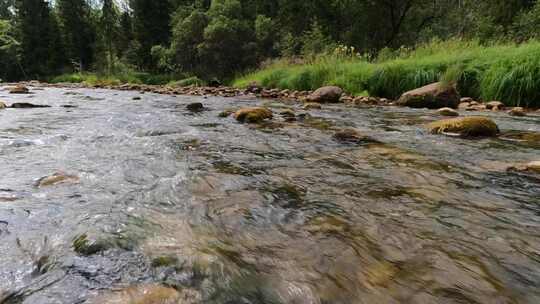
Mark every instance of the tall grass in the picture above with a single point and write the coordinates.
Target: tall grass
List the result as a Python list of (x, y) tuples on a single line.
[(509, 73)]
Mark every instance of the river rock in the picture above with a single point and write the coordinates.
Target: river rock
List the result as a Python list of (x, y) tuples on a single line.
[(329, 94), (56, 179), (447, 112), (287, 113), (20, 89), (312, 106), (474, 126), (2, 105), (226, 113), (434, 96), (466, 100), (495, 105), (464, 105), (253, 115), (136, 98), (254, 88), (195, 107), (26, 105), (352, 136), (518, 111), (533, 167)]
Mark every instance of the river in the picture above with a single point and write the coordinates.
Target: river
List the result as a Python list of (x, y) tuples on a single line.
[(225, 212)]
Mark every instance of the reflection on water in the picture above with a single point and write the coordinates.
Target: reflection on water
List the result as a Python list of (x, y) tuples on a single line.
[(175, 207)]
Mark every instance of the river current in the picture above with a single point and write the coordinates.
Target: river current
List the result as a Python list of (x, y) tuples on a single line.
[(280, 212)]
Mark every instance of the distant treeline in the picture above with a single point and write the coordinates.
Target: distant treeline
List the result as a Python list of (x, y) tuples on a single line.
[(222, 38)]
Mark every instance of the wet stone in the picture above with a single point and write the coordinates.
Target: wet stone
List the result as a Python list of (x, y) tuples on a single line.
[(352, 136), (27, 105), (195, 107), (253, 115), (473, 126), (57, 178)]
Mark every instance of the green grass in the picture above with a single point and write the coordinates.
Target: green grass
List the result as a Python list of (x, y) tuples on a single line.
[(509, 73)]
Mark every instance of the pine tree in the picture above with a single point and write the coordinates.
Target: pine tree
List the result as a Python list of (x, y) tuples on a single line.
[(109, 21), (33, 30), (151, 26), (78, 32)]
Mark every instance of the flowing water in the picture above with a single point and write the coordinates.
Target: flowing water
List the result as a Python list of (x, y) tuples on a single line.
[(275, 213)]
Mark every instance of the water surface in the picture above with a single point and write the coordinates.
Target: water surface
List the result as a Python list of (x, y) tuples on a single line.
[(275, 213)]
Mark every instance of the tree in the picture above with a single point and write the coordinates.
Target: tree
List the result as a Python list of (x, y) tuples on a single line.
[(33, 25), (78, 31), (10, 66), (109, 29), (151, 28)]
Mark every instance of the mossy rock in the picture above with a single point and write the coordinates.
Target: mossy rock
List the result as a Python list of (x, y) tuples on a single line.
[(253, 115), (473, 126)]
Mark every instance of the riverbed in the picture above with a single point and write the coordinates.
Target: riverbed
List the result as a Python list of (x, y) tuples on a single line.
[(278, 212)]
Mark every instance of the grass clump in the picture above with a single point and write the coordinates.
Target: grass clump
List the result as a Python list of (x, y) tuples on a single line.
[(506, 72), (97, 79)]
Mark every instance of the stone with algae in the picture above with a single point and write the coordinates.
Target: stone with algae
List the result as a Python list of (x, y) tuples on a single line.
[(253, 115), (473, 126)]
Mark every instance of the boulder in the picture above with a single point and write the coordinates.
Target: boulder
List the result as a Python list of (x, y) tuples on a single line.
[(495, 105), (434, 96), (447, 112), (466, 99), (26, 105), (253, 115), (473, 126), (2, 105), (518, 111), (312, 106), (329, 94), (352, 136), (20, 89)]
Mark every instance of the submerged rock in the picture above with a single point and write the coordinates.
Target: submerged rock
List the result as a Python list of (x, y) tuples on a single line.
[(352, 136), (330, 94), (312, 106), (85, 245), (447, 112), (287, 113), (26, 105), (473, 126), (20, 89), (56, 179), (195, 107), (226, 113), (518, 111), (533, 167), (434, 96), (136, 98), (143, 294), (253, 115)]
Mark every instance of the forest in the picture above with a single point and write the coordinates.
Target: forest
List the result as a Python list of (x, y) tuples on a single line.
[(201, 40)]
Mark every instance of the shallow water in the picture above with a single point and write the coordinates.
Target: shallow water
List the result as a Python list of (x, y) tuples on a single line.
[(278, 213)]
